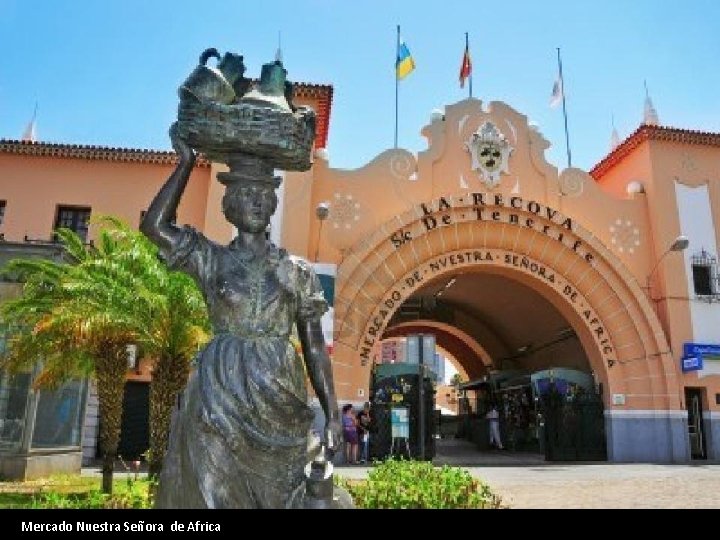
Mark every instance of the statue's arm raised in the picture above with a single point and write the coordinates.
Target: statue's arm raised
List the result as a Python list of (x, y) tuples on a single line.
[(320, 373), (158, 224)]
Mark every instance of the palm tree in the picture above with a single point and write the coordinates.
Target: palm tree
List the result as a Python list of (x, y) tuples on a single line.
[(59, 319), (167, 316), (116, 293), (172, 324)]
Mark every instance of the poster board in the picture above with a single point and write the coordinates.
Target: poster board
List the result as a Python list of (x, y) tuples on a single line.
[(400, 422)]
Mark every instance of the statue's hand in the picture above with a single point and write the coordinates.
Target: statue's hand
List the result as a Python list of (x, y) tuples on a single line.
[(183, 149), (333, 436)]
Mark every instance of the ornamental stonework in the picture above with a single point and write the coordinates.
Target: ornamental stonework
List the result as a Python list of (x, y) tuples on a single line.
[(490, 153)]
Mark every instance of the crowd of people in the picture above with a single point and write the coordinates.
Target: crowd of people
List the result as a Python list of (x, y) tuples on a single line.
[(356, 432)]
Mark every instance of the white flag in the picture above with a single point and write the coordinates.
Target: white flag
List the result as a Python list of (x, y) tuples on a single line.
[(30, 133), (557, 94)]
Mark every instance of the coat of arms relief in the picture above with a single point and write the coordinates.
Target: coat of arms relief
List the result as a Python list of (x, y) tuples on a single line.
[(490, 153)]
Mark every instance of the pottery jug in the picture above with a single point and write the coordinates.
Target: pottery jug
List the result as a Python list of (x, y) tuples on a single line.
[(207, 83)]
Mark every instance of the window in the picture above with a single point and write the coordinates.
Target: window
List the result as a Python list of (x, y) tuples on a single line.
[(2, 211), (75, 218), (705, 274)]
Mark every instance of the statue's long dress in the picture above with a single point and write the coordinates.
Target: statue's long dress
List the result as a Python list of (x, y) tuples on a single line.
[(239, 439)]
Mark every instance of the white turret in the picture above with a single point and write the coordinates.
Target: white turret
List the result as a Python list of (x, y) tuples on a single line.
[(650, 115)]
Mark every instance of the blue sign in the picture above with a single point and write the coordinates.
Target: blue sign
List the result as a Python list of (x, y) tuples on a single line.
[(697, 349), (692, 363)]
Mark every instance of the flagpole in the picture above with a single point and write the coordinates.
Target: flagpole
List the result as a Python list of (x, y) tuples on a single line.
[(397, 83), (562, 88), (467, 48)]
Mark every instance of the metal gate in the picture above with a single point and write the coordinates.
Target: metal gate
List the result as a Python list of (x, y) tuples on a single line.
[(574, 427), (405, 395)]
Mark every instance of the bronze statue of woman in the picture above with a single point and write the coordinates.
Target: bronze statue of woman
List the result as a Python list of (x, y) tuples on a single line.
[(240, 438)]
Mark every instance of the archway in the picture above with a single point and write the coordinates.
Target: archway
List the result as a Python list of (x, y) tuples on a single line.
[(546, 251), (473, 358)]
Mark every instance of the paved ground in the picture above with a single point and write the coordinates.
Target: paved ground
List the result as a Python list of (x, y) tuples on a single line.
[(606, 486), (527, 481)]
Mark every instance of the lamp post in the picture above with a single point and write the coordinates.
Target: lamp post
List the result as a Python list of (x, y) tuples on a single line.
[(322, 211), (679, 244)]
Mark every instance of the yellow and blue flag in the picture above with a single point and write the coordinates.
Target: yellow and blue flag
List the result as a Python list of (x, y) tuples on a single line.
[(404, 64)]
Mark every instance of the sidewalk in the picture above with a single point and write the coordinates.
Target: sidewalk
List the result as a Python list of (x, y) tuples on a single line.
[(636, 485), (528, 481)]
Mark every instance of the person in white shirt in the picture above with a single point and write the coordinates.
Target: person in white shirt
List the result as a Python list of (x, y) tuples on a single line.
[(493, 418)]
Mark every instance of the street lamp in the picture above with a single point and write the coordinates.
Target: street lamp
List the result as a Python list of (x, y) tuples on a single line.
[(322, 211), (679, 244)]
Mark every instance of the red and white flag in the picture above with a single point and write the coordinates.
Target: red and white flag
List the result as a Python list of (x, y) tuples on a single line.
[(466, 67)]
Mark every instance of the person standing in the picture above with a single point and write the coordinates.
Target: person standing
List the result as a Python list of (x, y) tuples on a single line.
[(493, 418), (350, 434), (363, 426)]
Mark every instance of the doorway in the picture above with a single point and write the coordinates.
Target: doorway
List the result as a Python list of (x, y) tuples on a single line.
[(696, 433), (135, 430), (521, 354)]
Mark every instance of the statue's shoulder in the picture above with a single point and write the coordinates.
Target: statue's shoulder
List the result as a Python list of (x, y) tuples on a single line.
[(188, 249), (302, 268), (190, 234), (295, 273), (302, 265)]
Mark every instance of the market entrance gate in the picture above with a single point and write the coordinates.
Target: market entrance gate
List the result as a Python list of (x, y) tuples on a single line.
[(548, 252), (574, 430)]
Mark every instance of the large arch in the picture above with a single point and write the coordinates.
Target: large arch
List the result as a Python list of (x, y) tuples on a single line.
[(547, 251)]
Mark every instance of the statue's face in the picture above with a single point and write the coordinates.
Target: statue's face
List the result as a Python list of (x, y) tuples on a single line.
[(249, 206)]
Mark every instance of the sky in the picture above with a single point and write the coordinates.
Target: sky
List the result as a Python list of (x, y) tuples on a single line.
[(106, 72)]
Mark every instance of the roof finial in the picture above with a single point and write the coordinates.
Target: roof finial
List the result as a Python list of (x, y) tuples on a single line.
[(614, 136), (650, 115), (278, 53), (30, 133)]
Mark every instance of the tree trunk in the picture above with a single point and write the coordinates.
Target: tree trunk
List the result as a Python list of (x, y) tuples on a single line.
[(169, 378), (111, 370)]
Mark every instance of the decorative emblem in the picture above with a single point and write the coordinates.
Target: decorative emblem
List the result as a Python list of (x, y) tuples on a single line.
[(344, 211), (401, 166), (490, 152), (625, 236), (572, 182)]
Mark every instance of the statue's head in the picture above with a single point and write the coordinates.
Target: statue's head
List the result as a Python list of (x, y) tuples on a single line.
[(249, 205)]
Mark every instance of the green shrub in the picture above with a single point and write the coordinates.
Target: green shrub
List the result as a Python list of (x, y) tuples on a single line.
[(417, 484)]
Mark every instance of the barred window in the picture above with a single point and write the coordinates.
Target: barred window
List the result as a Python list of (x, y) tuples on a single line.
[(705, 274), (75, 218), (2, 211)]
